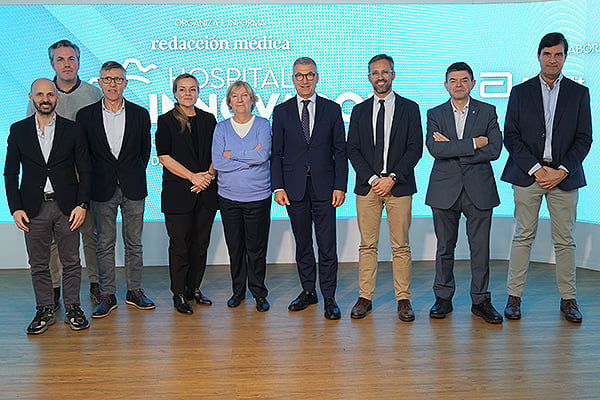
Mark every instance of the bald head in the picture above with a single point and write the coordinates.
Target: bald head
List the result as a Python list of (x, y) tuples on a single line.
[(44, 96)]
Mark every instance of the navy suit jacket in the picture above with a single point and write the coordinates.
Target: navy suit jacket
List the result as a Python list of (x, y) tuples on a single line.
[(405, 146), (525, 132), (68, 158), (324, 154), (457, 163), (129, 170)]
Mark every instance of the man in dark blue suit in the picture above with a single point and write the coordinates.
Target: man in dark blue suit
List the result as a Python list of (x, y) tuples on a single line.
[(385, 142), (463, 136), (309, 173), (548, 133)]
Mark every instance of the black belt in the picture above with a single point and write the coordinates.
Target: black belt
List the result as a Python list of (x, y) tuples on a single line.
[(49, 197), (547, 163)]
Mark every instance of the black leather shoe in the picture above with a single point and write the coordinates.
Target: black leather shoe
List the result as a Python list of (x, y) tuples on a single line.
[(571, 310), (262, 304), (235, 300), (198, 297), (332, 311), (486, 310), (181, 304), (361, 308), (513, 307), (304, 300), (441, 308), (108, 302), (56, 299)]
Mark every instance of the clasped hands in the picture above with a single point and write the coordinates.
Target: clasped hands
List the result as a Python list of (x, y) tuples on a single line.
[(548, 177), (200, 181)]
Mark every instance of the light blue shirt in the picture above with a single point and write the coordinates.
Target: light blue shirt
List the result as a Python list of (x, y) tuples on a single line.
[(114, 126)]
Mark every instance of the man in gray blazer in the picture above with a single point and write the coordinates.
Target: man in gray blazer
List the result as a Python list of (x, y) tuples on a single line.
[(463, 136)]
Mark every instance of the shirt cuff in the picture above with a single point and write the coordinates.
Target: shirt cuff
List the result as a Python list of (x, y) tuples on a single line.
[(564, 169), (372, 179), (534, 168), (474, 144), (277, 190)]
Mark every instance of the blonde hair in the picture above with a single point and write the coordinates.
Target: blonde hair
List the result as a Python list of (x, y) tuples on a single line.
[(239, 84), (178, 113)]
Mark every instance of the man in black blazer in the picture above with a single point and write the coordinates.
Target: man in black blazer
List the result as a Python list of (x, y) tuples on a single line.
[(118, 134), (50, 200), (385, 142), (548, 133), (309, 173), (463, 136)]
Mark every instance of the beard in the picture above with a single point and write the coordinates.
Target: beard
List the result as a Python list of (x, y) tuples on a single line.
[(383, 89), (46, 111)]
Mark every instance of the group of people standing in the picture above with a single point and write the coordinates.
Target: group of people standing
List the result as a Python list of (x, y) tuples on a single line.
[(302, 158)]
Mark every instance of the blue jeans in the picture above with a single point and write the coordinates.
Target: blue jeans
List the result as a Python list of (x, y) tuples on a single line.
[(105, 215)]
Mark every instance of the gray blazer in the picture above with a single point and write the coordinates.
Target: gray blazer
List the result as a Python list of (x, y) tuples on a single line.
[(457, 163)]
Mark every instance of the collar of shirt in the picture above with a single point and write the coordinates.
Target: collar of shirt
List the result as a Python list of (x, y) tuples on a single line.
[(389, 100), (556, 83), (50, 125), (464, 110), (120, 110), (390, 108)]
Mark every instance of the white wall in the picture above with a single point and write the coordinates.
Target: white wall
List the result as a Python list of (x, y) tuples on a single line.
[(281, 243)]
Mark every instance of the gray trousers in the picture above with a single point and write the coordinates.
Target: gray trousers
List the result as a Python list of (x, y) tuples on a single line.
[(562, 206), (48, 223), (105, 215), (88, 236)]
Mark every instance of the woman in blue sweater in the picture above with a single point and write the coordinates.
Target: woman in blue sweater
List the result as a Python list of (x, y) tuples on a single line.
[(240, 153)]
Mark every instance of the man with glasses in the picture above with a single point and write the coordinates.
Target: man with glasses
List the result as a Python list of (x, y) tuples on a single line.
[(309, 173), (118, 134), (74, 95), (385, 142)]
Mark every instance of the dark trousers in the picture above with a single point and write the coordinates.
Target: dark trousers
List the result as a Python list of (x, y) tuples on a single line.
[(189, 237), (246, 227), (302, 215), (48, 223), (445, 223)]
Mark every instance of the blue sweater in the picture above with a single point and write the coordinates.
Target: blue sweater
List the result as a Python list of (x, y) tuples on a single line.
[(245, 176)]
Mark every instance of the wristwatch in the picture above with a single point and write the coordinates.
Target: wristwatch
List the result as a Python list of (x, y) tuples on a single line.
[(84, 205)]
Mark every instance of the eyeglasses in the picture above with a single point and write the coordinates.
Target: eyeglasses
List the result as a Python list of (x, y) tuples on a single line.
[(383, 73), (300, 77), (108, 80)]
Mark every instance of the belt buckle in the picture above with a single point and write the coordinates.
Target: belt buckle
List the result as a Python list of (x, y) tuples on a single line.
[(48, 196)]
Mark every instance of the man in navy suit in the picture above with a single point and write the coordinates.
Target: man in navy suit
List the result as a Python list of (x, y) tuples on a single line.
[(309, 173), (548, 133), (385, 142), (50, 200), (118, 134), (463, 136)]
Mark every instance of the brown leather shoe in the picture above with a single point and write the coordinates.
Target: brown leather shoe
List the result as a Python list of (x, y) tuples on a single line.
[(513, 308), (405, 311), (571, 311), (361, 308)]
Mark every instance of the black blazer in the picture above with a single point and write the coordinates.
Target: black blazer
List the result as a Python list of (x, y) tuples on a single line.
[(176, 195), (405, 147), (325, 154), (525, 132), (69, 154), (129, 170)]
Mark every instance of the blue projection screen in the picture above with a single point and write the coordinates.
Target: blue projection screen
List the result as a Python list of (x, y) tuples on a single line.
[(258, 43)]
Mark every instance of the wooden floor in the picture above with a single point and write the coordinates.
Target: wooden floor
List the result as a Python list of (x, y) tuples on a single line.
[(221, 353)]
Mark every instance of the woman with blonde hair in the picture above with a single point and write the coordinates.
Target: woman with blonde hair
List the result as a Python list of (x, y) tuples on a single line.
[(189, 195), (240, 152)]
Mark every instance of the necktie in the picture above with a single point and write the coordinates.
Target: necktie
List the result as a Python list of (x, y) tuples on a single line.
[(378, 156), (305, 120)]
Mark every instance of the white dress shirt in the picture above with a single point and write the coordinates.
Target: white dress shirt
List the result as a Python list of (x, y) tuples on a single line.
[(312, 108), (114, 126), (46, 139)]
